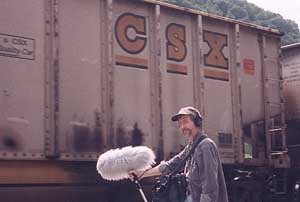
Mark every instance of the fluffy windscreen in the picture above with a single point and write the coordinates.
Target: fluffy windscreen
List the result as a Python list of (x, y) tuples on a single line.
[(116, 163)]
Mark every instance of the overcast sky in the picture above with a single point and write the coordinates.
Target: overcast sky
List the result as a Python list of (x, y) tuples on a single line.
[(289, 9)]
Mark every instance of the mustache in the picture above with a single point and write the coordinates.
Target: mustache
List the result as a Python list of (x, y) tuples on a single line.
[(186, 130)]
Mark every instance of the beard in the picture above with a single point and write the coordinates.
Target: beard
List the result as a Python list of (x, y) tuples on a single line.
[(187, 132)]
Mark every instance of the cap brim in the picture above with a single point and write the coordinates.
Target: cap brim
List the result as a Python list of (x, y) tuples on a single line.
[(176, 117)]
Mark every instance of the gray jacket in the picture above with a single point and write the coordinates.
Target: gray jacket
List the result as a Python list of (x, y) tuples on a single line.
[(203, 170)]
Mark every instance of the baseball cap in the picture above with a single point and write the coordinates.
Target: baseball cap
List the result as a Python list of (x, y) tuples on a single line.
[(186, 111)]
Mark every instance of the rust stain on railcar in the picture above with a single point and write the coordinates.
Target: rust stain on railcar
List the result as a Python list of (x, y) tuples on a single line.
[(137, 136), (86, 138), (121, 135), (125, 138), (10, 140)]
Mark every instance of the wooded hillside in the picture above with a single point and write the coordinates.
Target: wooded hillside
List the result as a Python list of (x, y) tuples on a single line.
[(247, 12)]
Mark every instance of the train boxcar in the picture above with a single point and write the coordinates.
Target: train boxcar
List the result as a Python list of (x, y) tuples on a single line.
[(291, 77), (81, 77)]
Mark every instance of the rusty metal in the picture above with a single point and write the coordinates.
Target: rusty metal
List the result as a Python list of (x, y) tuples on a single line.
[(21, 155), (106, 83), (262, 42), (110, 72), (104, 65), (158, 80), (236, 95), (273, 100), (51, 78), (155, 81), (82, 156), (197, 61), (102, 74), (201, 63), (22, 95)]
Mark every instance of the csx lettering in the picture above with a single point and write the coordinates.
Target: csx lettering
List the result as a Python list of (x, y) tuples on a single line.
[(215, 56), (19, 42), (176, 42), (27, 52), (138, 24)]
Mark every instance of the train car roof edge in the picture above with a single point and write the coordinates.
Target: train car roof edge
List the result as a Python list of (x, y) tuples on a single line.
[(202, 13)]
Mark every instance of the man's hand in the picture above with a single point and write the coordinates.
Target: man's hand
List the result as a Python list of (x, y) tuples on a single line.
[(146, 173), (135, 174)]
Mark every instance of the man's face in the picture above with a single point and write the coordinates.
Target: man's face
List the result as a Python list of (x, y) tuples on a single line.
[(187, 126)]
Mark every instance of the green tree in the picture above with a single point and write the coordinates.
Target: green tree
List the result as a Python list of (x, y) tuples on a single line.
[(247, 12)]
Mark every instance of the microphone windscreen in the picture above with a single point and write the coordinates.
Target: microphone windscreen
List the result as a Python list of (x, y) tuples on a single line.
[(116, 163)]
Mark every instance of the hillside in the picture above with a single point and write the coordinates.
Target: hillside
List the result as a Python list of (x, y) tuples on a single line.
[(247, 12)]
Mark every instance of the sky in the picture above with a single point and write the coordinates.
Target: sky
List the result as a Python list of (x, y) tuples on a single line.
[(289, 9)]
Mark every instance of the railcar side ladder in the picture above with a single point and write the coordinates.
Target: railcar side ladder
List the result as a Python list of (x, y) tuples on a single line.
[(274, 106), (274, 112)]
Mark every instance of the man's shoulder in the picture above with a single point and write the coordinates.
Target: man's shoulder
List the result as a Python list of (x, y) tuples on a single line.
[(206, 143)]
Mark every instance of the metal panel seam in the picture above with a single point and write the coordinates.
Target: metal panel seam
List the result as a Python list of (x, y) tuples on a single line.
[(51, 79)]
